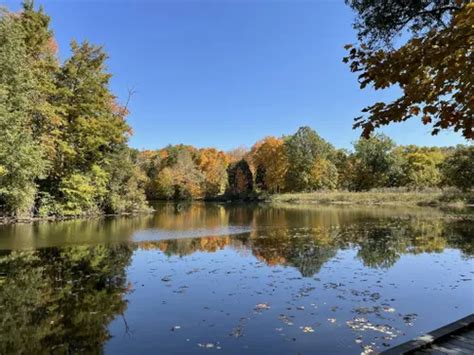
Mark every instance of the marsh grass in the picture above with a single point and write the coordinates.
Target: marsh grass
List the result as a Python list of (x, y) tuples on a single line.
[(387, 196)]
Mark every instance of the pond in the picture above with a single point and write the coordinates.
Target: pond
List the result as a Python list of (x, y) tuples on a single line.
[(210, 278)]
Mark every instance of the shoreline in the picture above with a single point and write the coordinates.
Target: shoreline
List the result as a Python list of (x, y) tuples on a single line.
[(413, 199), (14, 220)]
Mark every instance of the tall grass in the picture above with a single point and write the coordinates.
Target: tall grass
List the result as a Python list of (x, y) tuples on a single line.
[(384, 196)]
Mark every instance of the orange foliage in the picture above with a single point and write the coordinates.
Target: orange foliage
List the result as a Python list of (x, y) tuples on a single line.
[(270, 153), (213, 164)]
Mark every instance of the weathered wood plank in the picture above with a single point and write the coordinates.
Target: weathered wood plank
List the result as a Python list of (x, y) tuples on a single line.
[(441, 341), (464, 339), (462, 344)]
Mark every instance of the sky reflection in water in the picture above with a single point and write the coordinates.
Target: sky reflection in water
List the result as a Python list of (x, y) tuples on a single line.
[(331, 280)]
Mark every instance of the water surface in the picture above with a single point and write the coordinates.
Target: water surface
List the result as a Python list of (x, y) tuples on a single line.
[(199, 278)]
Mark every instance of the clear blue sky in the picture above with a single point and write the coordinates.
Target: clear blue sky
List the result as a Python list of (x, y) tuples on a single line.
[(227, 73)]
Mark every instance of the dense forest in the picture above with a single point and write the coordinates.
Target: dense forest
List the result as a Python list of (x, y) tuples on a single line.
[(302, 162), (64, 152)]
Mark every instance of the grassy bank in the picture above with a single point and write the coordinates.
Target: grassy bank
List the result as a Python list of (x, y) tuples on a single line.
[(387, 197)]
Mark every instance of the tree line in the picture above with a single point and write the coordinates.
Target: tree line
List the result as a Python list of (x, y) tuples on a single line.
[(64, 152), (302, 162)]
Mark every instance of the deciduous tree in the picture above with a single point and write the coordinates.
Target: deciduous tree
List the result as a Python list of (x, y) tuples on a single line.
[(433, 68), (303, 149), (270, 155)]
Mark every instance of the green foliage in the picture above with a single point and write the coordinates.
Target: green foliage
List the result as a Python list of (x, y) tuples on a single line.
[(125, 189), (458, 169), (61, 300), (62, 134), (303, 149), (80, 194), (96, 125), (375, 164), (165, 187), (344, 164), (20, 158)]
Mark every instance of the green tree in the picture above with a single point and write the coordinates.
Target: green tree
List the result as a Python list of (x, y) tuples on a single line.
[(375, 165), (41, 48), (83, 193), (303, 149), (458, 169), (96, 125), (125, 189), (61, 300), (344, 164), (21, 160), (95, 132)]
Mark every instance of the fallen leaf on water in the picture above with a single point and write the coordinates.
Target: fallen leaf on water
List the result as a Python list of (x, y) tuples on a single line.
[(262, 307), (307, 329)]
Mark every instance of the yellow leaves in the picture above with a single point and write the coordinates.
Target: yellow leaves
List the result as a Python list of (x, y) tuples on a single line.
[(213, 164), (3, 171), (270, 153), (323, 175)]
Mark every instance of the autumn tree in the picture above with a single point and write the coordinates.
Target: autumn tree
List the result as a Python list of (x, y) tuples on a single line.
[(421, 166), (323, 175), (180, 177), (240, 178), (433, 68), (213, 164), (270, 158), (260, 178)]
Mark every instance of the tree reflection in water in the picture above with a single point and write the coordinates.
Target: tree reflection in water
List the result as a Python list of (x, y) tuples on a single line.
[(61, 299), (308, 249)]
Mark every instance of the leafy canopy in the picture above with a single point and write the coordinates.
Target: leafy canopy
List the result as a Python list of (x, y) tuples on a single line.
[(433, 68)]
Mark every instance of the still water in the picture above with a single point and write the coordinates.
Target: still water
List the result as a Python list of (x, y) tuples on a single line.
[(209, 278)]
